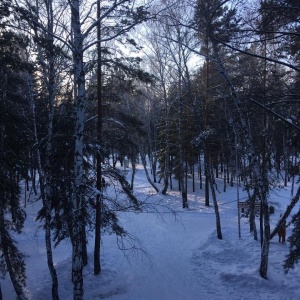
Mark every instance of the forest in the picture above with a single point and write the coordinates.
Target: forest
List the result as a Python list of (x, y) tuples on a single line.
[(186, 88)]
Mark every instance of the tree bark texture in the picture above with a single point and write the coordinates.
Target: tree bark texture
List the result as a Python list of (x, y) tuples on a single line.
[(77, 193)]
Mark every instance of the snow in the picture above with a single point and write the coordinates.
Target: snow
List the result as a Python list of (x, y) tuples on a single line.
[(176, 253)]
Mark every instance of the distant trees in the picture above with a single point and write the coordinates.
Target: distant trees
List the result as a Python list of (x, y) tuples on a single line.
[(169, 58), (241, 74)]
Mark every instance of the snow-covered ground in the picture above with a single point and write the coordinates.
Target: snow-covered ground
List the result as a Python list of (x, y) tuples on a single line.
[(180, 256)]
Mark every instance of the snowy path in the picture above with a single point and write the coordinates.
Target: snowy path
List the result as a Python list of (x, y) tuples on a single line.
[(170, 274)]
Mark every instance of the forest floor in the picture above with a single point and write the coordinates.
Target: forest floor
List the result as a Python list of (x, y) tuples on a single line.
[(174, 253)]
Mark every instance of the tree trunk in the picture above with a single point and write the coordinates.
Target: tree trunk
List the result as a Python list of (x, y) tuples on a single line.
[(170, 173), (45, 175), (77, 192), (97, 249), (166, 172), (214, 197), (266, 242), (45, 182), (143, 158), (252, 215), (200, 172), (207, 171), (153, 164), (133, 171), (193, 174), (285, 158), (183, 187)]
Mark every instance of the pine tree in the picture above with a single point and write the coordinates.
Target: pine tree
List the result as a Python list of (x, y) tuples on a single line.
[(14, 141)]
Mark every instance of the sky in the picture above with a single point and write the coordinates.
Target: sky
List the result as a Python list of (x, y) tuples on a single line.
[(176, 253)]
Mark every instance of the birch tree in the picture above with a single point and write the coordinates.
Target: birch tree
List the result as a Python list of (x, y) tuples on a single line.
[(47, 58), (159, 62), (78, 50)]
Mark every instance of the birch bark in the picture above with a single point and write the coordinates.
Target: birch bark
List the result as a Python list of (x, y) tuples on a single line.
[(77, 193)]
